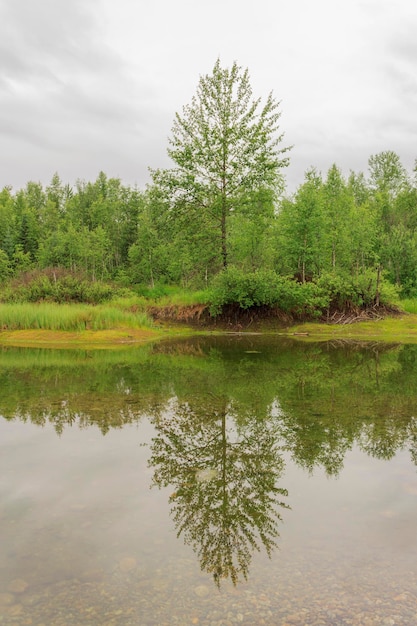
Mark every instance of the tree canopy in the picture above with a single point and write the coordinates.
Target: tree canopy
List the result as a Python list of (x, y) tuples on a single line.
[(220, 216), (228, 159)]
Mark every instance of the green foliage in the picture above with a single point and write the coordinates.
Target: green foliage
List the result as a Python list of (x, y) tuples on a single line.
[(387, 174), (265, 288), (301, 229), (226, 151), (5, 266), (310, 299), (156, 292), (346, 292), (171, 295), (220, 206), (409, 305), (233, 286), (22, 261), (56, 285), (182, 297)]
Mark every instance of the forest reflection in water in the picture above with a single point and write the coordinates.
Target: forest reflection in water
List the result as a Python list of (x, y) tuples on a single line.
[(227, 415)]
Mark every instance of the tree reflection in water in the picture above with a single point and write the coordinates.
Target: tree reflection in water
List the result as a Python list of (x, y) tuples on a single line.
[(219, 442), (226, 502)]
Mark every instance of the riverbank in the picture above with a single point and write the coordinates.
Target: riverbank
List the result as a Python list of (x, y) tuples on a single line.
[(78, 339), (390, 329)]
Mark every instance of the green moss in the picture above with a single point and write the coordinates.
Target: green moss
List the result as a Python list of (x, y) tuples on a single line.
[(397, 329)]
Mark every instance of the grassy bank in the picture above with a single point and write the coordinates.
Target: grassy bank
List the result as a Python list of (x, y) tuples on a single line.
[(70, 317), (66, 325), (388, 330), (126, 321), (398, 329)]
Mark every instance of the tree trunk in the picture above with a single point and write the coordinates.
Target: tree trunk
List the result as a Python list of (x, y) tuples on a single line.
[(223, 236), (378, 280)]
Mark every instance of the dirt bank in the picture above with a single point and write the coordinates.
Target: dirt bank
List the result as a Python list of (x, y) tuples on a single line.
[(261, 318)]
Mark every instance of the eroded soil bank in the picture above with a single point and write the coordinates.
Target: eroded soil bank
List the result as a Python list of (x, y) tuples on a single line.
[(233, 318), (372, 324), (369, 325)]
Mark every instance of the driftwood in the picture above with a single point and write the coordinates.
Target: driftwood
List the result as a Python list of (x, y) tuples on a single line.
[(351, 316)]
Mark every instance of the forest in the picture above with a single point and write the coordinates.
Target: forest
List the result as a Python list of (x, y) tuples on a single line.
[(220, 221)]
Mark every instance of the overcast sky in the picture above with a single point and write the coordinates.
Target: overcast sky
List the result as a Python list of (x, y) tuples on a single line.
[(90, 85)]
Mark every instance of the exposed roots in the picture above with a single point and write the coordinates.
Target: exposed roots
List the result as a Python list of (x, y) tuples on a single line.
[(234, 318), (357, 314), (175, 313)]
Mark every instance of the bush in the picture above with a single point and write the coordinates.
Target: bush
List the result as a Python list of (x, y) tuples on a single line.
[(347, 292), (56, 285), (233, 286), (265, 288), (153, 293)]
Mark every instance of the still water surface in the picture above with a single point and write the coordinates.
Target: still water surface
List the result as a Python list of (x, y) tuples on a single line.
[(213, 481)]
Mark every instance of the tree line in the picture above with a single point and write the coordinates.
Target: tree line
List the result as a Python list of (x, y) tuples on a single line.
[(221, 212)]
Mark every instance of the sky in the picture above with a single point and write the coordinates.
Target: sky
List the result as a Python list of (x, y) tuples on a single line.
[(94, 85)]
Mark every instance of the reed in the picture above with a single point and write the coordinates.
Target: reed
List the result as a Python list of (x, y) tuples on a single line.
[(69, 317)]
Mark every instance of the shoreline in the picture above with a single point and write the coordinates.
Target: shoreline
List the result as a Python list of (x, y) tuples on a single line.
[(54, 339), (396, 329)]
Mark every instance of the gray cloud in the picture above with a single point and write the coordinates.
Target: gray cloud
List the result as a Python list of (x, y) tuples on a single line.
[(42, 37), (90, 85), (63, 92)]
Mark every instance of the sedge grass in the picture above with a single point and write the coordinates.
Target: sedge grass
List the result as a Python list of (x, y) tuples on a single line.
[(409, 305), (172, 295), (69, 317), (185, 298)]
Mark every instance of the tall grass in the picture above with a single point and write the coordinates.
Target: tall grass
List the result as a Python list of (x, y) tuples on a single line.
[(172, 295), (409, 305), (184, 298), (76, 317)]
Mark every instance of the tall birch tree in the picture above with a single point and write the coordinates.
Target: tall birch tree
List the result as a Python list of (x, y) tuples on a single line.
[(226, 147)]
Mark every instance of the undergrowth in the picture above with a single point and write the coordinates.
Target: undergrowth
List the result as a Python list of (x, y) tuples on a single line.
[(409, 305)]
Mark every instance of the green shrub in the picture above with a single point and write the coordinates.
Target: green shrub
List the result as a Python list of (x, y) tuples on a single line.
[(409, 305), (153, 293), (5, 266), (265, 288), (234, 286), (57, 285), (346, 292)]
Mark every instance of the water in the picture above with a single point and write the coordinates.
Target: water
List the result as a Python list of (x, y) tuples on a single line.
[(210, 481)]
